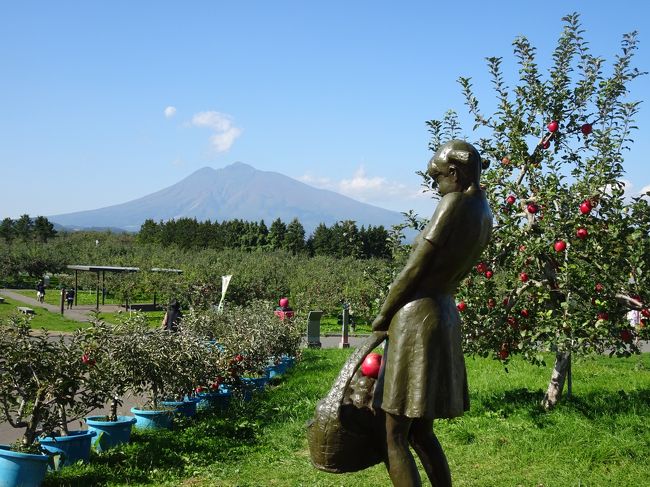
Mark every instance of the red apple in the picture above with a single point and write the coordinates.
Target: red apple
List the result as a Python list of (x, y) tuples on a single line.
[(582, 233), (586, 207), (522, 248), (510, 200), (462, 306), (505, 161), (199, 389), (560, 246), (505, 301), (239, 357), (599, 287), (586, 128), (481, 267), (503, 353), (86, 359), (645, 312), (524, 312), (371, 365), (491, 303), (512, 321), (489, 274), (284, 302), (626, 336), (603, 316), (532, 208), (553, 126), (523, 277)]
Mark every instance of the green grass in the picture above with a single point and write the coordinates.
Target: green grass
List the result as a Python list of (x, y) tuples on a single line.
[(84, 298), (600, 437), (42, 317), (329, 324)]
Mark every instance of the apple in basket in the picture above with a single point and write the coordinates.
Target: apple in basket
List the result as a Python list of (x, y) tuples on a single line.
[(371, 365)]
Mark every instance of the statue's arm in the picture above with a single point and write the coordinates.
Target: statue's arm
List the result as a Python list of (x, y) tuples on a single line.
[(402, 289)]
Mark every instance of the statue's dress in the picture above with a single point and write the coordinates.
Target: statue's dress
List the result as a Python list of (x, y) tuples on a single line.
[(423, 373)]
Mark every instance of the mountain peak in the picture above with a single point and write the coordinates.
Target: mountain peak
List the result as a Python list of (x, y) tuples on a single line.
[(235, 191), (240, 166)]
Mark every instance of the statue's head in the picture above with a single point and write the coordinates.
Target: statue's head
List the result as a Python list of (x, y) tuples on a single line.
[(455, 166)]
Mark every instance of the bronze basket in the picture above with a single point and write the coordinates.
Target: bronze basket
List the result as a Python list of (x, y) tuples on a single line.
[(343, 438)]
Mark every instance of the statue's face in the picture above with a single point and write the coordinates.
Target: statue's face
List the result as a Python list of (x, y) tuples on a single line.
[(445, 176)]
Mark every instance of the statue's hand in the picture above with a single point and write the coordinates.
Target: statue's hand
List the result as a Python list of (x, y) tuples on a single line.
[(380, 334), (380, 323)]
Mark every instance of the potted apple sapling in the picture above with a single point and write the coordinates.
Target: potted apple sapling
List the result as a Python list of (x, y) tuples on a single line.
[(104, 351), (43, 387)]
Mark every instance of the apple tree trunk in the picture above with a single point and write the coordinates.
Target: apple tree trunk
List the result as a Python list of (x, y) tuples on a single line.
[(561, 374)]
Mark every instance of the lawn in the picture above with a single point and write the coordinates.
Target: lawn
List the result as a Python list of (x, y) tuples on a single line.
[(42, 317), (330, 325), (84, 297), (600, 437)]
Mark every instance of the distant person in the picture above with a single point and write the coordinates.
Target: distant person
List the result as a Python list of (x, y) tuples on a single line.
[(283, 310), (40, 291), (69, 297), (173, 316)]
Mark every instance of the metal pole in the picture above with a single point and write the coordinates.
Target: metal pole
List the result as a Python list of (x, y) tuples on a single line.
[(346, 318), (569, 386), (62, 299), (103, 287), (76, 286), (97, 291)]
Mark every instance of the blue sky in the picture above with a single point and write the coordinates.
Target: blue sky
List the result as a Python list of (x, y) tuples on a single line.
[(104, 102)]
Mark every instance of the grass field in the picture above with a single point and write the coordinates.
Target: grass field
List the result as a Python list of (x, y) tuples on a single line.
[(53, 296), (600, 437), (42, 317), (329, 324)]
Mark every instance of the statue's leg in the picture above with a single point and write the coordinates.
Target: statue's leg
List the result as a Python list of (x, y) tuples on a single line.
[(401, 465), (428, 448)]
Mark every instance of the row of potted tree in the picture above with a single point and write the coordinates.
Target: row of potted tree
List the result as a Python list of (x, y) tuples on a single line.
[(48, 382)]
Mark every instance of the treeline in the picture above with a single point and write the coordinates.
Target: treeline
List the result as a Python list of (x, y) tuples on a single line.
[(310, 282), (343, 239), (27, 229)]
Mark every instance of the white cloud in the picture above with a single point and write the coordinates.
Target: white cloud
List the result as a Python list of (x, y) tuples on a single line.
[(170, 112), (376, 190), (221, 124)]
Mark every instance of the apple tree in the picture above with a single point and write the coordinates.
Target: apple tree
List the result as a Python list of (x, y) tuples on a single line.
[(569, 255)]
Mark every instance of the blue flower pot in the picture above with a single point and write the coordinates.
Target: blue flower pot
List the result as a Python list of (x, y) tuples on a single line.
[(189, 406), (73, 448), (276, 370), (288, 361), (255, 383), (21, 469), (219, 400), (153, 419), (110, 433), (185, 407)]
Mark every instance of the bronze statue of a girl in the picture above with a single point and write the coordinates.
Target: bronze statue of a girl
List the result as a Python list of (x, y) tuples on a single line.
[(423, 373)]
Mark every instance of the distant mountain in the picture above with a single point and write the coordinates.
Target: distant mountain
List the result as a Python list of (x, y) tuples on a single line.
[(236, 191)]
